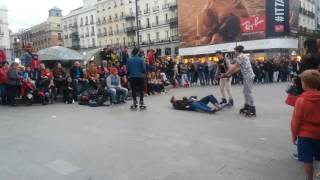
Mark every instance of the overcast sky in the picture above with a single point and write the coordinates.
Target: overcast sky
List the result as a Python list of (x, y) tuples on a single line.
[(26, 13)]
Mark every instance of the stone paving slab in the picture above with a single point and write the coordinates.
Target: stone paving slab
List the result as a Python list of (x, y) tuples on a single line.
[(71, 142)]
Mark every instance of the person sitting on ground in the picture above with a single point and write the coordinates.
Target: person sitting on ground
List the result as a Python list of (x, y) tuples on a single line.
[(92, 74), (114, 88), (149, 84), (13, 83), (156, 83), (68, 91), (59, 78), (305, 123), (79, 82), (192, 104)]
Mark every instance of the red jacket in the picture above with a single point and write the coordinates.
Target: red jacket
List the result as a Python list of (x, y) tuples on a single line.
[(306, 117), (3, 75), (3, 57), (150, 57), (35, 64)]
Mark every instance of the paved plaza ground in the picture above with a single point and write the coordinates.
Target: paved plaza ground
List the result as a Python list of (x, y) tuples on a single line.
[(71, 142)]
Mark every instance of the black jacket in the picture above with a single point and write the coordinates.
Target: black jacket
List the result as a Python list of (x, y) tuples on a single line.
[(73, 72)]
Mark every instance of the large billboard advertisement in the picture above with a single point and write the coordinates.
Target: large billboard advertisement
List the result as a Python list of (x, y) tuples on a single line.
[(207, 22)]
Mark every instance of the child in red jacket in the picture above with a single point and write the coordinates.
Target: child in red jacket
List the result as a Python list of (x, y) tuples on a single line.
[(305, 124)]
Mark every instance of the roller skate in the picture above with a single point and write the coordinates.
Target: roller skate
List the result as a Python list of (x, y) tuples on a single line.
[(142, 106), (251, 112), (244, 109), (134, 106)]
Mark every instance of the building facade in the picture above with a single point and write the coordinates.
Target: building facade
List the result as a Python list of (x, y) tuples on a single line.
[(308, 21), (111, 22), (48, 33), (158, 26), (4, 31), (79, 31), (71, 36), (41, 36)]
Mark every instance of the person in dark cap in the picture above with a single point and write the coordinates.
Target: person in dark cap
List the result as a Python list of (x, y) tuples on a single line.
[(225, 83), (243, 64)]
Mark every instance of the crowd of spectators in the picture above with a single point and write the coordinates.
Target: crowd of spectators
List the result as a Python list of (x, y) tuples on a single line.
[(109, 78)]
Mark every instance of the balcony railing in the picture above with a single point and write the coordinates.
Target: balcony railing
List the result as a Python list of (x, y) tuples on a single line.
[(87, 35), (166, 6), (147, 11), (174, 22), (93, 34), (174, 38), (131, 30), (173, 6), (109, 20), (130, 17)]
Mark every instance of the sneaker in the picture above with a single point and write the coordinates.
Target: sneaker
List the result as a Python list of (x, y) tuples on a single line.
[(295, 156), (223, 101), (230, 104)]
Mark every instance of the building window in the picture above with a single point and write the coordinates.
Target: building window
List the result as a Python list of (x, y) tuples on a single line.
[(87, 21), (148, 22), (157, 20), (149, 38), (91, 20), (59, 36), (167, 19), (158, 36)]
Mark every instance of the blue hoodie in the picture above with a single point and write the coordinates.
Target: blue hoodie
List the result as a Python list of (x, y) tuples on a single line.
[(136, 67)]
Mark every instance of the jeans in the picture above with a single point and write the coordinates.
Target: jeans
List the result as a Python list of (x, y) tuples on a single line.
[(225, 84), (184, 79), (202, 77), (117, 95), (3, 93), (247, 91), (79, 86), (202, 105)]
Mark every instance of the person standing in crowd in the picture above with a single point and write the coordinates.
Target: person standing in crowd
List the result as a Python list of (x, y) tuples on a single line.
[(124, 56), (305, 123), (3, 56), (13, 83), (136, 69), (225, 83), (243, 64), (201, 69), (3, 80), (26, 58), (150, 57), (35, 67), (183, 69), (170, 69), (114, 88), (311, 60)]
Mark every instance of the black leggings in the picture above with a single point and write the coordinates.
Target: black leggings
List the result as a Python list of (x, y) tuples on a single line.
[(137, 86), (13, 92)]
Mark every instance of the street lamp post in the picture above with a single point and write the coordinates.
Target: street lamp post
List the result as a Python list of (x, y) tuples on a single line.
[(137, 22)]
